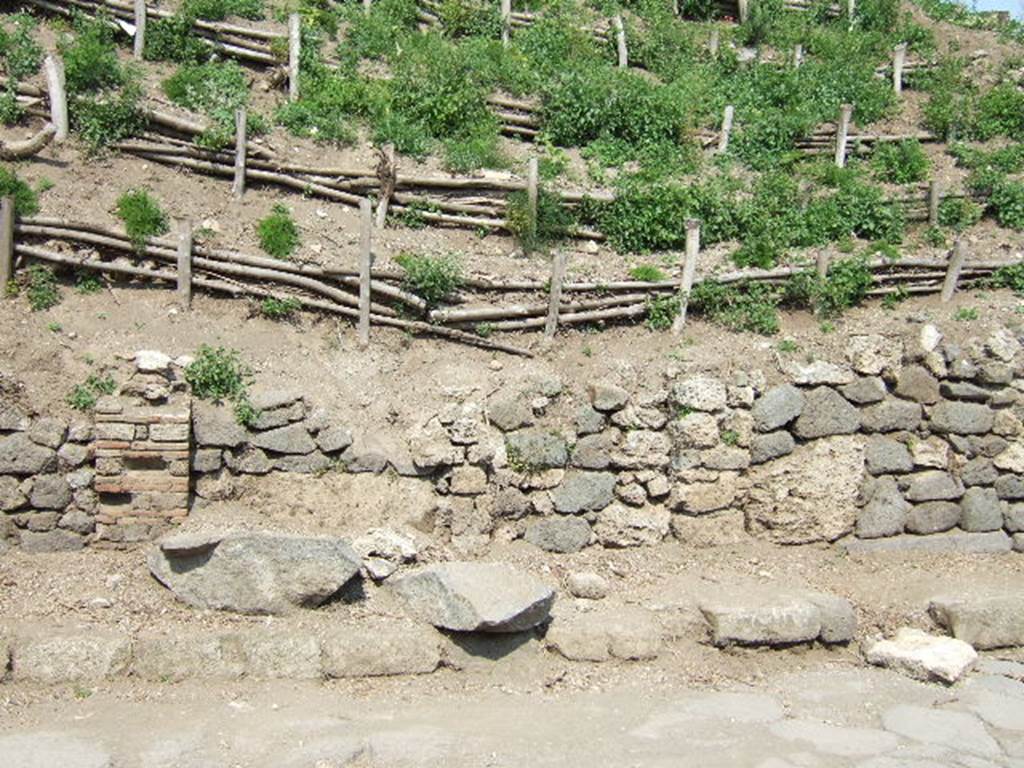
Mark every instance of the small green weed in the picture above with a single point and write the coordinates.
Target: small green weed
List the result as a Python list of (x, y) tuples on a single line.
[(787, 347), (278, 233), (83, 396), (647, 273), (273, 308), (965, 314), (432, 278), (142, 216), (42, 291), (88, 282)]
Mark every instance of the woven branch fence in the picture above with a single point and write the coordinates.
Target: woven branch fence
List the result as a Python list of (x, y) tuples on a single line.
[(382, 298)]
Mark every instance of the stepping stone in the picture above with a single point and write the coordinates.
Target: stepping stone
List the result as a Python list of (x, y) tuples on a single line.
[(836, 739), (253, 572), (50, 750), (476, 597), (995, 621), (922, 656), (959, 731), (764, 618), (724, 706)]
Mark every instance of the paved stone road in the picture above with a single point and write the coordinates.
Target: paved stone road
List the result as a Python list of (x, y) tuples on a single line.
[(832, 717)]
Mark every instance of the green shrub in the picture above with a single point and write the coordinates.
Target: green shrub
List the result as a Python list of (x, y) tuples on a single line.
[(959, 213), (88, 282), (83, 396), (551, 222), (218, 10), (218, 374), (901, 162), (41, 291), (432, 278), (90, 57), (746, 306), (278, 233), (468, 153), (142, 216), (26, 200), (106, 118), (20, 54), (11, 111), (273, 308), (1007, 201), (965, 314), (647, 273), (661, 311), (1000, 113), (1011, 277), (845, 287), (217, 89)]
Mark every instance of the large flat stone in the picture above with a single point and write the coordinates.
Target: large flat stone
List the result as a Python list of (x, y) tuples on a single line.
[(984, 621), (476, 597), (922, 656), (584, 492), (185, 654), (777, 407), (961, 418), (20, 456), (762, 618), (826, 413), (995, 542), (293, 439), (381, 649), (622, 632), (959, 731), (253, 572), (64, 656), (559, 534), (46, 749)]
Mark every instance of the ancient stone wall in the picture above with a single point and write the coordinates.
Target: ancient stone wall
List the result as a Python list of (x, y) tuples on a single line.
[(909, 442)]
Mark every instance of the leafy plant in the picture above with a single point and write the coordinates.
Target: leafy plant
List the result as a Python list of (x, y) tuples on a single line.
[(747, 306), (273, 308), (142, 216), (661, 311), (88, 282), (647, 273), (958, 213), (965, 314), (42, 292), (845, 287), (902, 162), (432, 278), (217, 374), (83, 396), (20, 54), (278, 233), (26, 200), (1007, 200), (217, 89)]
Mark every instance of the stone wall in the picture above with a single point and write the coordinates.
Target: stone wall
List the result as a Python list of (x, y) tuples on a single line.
[(904, 443)]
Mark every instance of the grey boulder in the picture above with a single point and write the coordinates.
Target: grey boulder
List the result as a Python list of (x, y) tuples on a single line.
[(253, 572), (476, 597)]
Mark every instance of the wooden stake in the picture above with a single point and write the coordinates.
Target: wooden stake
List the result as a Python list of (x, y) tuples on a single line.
[(367, 7), (6, 242), (532, 193), (185, 263), (723, 140), (899, 55), (842, 130), (139, 44), (58, 96), (689, 271), (238, 188), (555, 297), (620, 41), (851, 9), (387, 174), (713, 42), (956, 264), (821, 265), (294, 51), (365, 265), (743, 9), (798, 55), (933, 203), (506, 22)]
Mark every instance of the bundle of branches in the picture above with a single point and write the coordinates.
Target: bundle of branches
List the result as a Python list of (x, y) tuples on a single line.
[(238, 274), (244, 43)]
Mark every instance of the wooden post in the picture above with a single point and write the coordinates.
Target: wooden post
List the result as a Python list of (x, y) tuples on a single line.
[(743, 8), (713, 42), (620, 41), (842, 129), (6, 243), (185, 263), (821, 265), (532, 194), (58, 96), (956, 264), (506, 22), (899, 56), (387, 174), (365, 263), (689, 270), (798, 56), (851, 9), (238, 188), (139, 44), (367, 7), (294, 51), (555, 297), (723, 139), (933, 203)]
